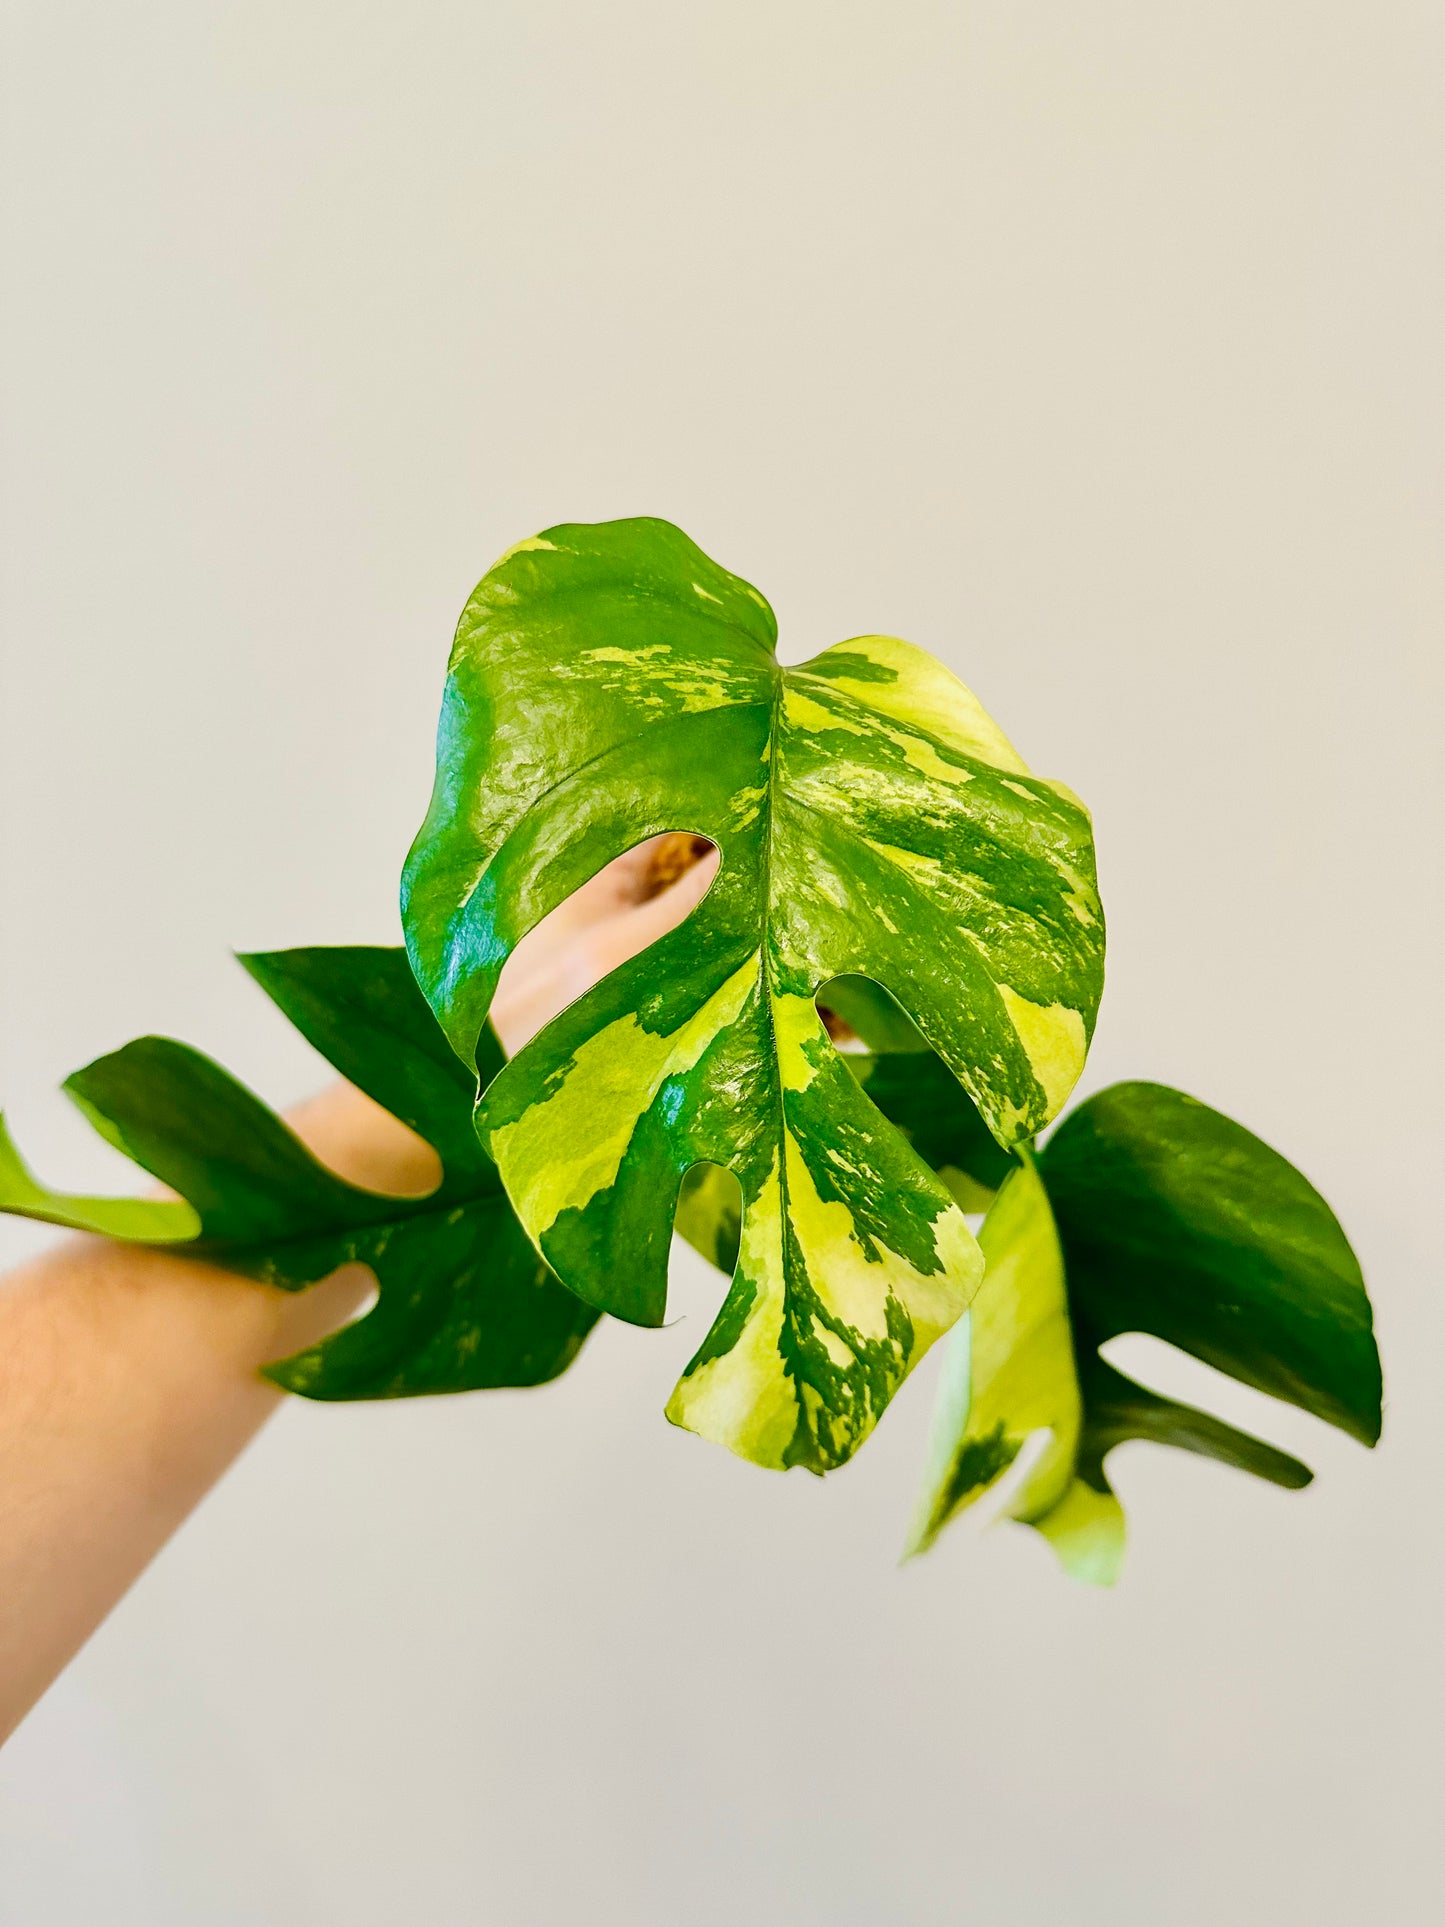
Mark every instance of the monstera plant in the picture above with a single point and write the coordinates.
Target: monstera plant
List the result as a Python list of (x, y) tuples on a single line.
[(832, 1078)]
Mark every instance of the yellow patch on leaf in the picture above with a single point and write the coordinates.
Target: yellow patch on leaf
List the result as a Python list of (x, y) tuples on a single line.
[(1054, 1042), (566, 1148)]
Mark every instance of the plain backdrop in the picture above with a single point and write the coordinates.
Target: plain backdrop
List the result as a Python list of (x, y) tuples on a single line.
[(1091, 344)]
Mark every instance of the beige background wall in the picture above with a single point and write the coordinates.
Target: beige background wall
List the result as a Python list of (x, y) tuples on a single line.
[(1092, 346)]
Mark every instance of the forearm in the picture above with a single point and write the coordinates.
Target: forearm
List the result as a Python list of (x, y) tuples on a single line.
[(128, 1384), (128, 1378)]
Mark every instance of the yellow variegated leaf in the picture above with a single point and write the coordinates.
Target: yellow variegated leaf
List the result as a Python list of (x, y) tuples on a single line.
[(1008, 1373), (609, 683)]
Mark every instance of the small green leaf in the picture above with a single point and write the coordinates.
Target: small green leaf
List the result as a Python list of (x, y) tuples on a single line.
[(610, 682), (1178, 1222), (464, 1302), (190, 1124)]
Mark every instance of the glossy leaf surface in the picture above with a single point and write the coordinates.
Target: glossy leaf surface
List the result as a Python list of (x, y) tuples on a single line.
[(1147, 1212), (1178, 1222), (464, 1301), (609, 683), (1008, 1372)]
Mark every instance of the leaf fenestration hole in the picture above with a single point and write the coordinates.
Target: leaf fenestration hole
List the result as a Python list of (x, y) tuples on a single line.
[(1170, 1372), (860, 1015), (343, 1298), (364, 1144), (710, 1214), (631, 902)]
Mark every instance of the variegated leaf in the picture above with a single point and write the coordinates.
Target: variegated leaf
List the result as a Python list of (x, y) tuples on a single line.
[(1010, 1381), (609, 683), (1008, 1373)]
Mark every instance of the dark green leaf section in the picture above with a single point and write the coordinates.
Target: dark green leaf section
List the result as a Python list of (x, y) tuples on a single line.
[(361, 1008), (464, 1302), (919, 1093), (1178, 1222), (256, 1189)]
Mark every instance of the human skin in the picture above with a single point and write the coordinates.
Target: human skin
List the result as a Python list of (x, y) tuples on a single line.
[(129, 1378)]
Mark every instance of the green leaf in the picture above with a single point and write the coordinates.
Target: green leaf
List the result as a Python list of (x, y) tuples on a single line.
[(609, 683), (1178, 1222), (463, 1300), (1154, 1214)]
